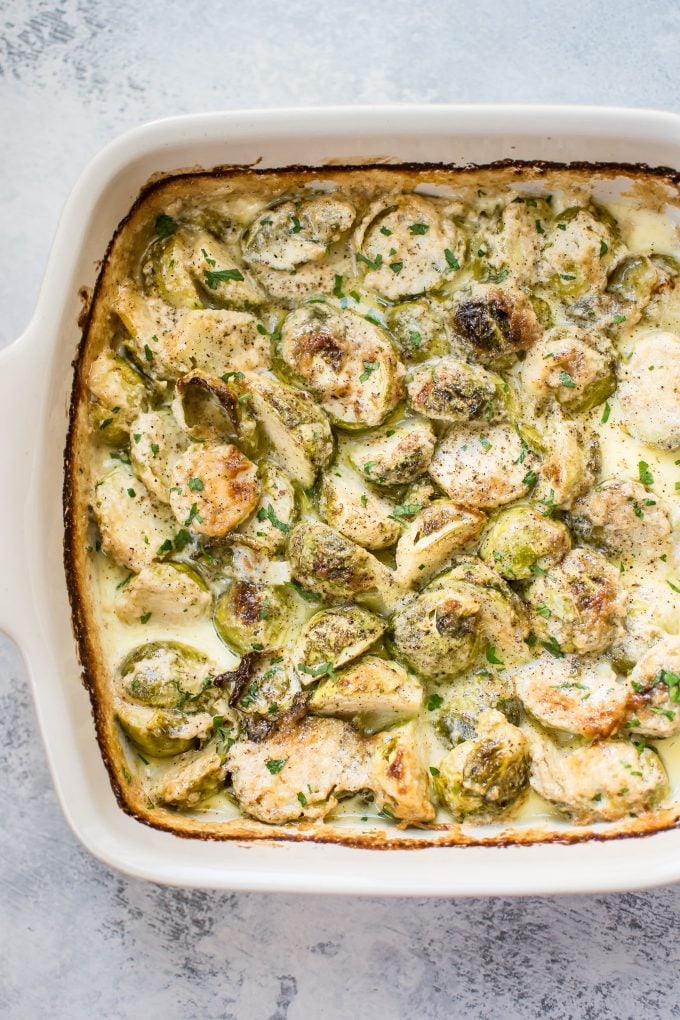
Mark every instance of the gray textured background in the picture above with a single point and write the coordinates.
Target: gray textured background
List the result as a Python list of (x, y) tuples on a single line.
[(77, 940)]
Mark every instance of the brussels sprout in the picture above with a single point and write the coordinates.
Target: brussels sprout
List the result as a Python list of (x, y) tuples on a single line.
[(436, 633), (407, 247), (196, 776), (601, 782), (133, 527), (573, 694), (520, 539), (222, 282), (332, 638), (356, 510), (165, 271), (420, 331), (575, 367), (271, 688), (432, 535), (267, 529), (634, 280), (216, 410), (570, 463), (578, 251), (160, 732), (580, 603), (167, 592), (621, 517), (291, 233), (149, 323), (253, 617), (652, 612), (484, 777), (513, 244), (451, 390), (398, 777), (375, 693), (167, 674), (485, 467), (325, 562), (395, 455), (346, 361), (472, 695), (215, 489), (648, 390), (120, 393), (296, 427), (156, 441), (655, 690), (496, 322), (214, 341)]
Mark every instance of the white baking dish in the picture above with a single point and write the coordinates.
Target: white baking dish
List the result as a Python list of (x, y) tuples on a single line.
[(35, 381)]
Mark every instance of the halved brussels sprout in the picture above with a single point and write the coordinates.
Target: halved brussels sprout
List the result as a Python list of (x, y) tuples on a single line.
[(267, 529), (652, 612), (520, 539), (132, 525), (634, 280), (215, 410), (398, 776), (574, 366), (356, 510), (295, 425), (332, 638), (480, 466), (196, 776), (580, 603), (432, 535), (253, 617), (472, 695), (407, 246), (496, 322), (573, 694), (149, 323), (648, 390), (655, 690), (165, 271), (346, 361), (168, 674), (161, 732), (120, 392), (570, 463), (271, 688), (326, 562), (291, 233), (452, 390), (394, 455), (167, 592), (513, 243), (436, 633), (215, 341), (601, 782), (578, 251), (621, 516), (223, 283), (156, 441), (484, 777), (420, 331), (375, 693), (215, 489)]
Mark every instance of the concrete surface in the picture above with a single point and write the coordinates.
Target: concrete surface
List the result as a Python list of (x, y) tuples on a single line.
[(79, 941)]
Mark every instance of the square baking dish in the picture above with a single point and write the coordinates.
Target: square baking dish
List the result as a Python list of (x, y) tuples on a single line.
[(35, 381)]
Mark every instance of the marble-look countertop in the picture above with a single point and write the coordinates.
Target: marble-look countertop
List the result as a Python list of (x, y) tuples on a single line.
[(80, 941)]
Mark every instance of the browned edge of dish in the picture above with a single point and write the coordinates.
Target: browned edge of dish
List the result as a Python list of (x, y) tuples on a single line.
[(129, 798)]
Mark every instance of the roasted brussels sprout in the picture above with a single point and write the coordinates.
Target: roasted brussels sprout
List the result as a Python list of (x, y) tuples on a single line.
[(216, 410), (580, 602), (601, 782), (407, 247), (634, 280), (570, 462), (621, 517), (253, 617), (167, 674), (165, 271), (375, 693), (222, 282), (484, 777), (133, 527), (572, 365), (655, 691), (346, 361), (472, 695), (156, 441), (578, 251), (395, 455), (398, 777), (215, 489), (652, 612), (432, 536), (268, 528), (162, 732), (454, 391), (120, 393), (332, 638), (214, 341), (291, 233), (496, 322), (520, 539), (436, 633), (573, 694), (298, 430), (648, 390), (325, 562), (512, 243), (420, 331), (485, 467), (167, 592), (357, 511), (196, 776)]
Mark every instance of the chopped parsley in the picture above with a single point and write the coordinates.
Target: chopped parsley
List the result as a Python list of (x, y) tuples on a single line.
[(303, 800), (644, 474), (372, 264), (543, 611), (386, 231), (196, 485), (566, 380), (228, 376), (540, 229), (323, 669), (605, 413), (552, 646), (267, 513), (404, 510), (274, 765), (131, 493), (530, 478), (296, 227), (369, 368), (337, 287), (396, 267), (145, 618), (148, 353), (434, 771), (491, 656), (214, 276), (604, 248), (619, 318), (193, 515), (451, 259), (165, 225), (434, 702), (419, 228)]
